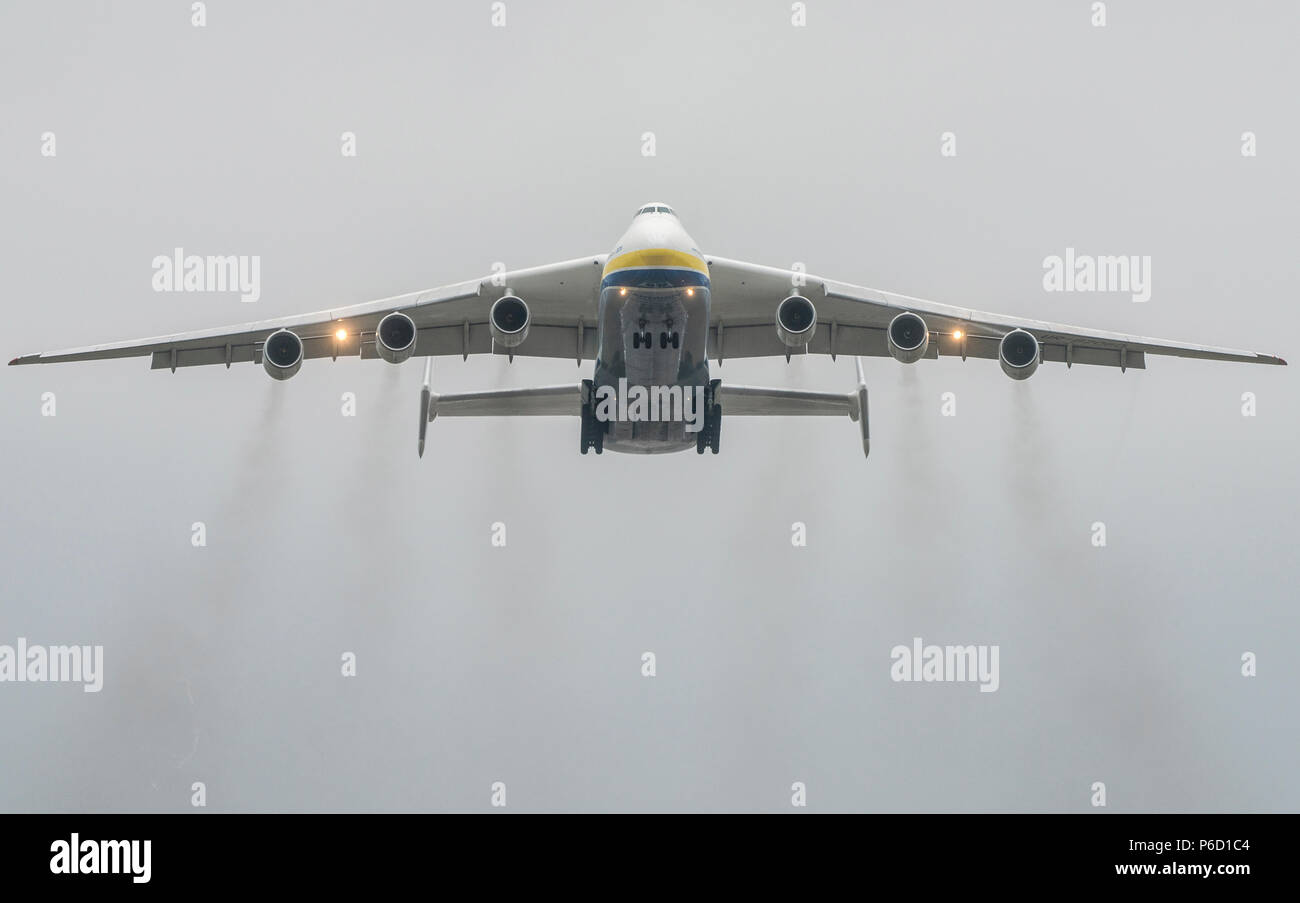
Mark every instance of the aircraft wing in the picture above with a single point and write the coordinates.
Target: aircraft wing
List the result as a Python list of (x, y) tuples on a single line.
[(852, 320), (452, 319)]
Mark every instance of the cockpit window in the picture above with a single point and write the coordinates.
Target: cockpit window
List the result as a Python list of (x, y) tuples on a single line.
[(645, 210), (656, 208)]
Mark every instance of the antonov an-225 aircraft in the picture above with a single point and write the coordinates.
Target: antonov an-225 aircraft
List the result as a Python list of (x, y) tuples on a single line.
[(651, 314)]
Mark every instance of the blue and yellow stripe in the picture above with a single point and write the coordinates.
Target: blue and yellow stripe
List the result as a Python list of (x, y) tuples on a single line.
[(656, 258)]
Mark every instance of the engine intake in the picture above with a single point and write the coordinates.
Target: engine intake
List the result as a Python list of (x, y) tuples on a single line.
[(1018, 353), (796, 321), (509, 320), (908, 337), (282, 354), (395, 337)]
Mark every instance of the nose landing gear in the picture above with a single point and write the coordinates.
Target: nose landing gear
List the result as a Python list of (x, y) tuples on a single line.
[(641, 338)]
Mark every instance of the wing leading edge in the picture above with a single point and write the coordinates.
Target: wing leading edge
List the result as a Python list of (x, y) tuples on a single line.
[(451, 319), (852, 320)]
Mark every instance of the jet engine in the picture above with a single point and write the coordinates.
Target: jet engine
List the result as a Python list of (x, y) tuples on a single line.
[(796, 321), (908, 337), (282, 354), (1018, 353), (395, 337), (509, 320)]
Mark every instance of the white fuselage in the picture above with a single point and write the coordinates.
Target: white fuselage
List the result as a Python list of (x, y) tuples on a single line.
[(654, 323)]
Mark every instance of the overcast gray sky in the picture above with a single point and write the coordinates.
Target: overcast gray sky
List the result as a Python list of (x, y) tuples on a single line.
[(522, 144)]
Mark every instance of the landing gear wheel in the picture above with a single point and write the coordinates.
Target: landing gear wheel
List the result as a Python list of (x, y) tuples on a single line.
[(710, 436), (663, 340), (677, 340), (593, 429), (636, 340)]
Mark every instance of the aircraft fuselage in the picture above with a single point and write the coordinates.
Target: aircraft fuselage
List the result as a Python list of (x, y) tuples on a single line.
[(654, 326)]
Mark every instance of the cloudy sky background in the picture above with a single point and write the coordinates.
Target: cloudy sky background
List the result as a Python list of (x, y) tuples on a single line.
[(776, 144)]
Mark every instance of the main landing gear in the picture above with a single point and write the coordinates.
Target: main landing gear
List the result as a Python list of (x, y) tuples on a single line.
[(593, 429), (708, 436)]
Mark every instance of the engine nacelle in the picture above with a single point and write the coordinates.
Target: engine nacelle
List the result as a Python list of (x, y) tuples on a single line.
[(1018, 353), (282, 354), (395, 337), (509, 320), (796, 321), (908, 337)]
